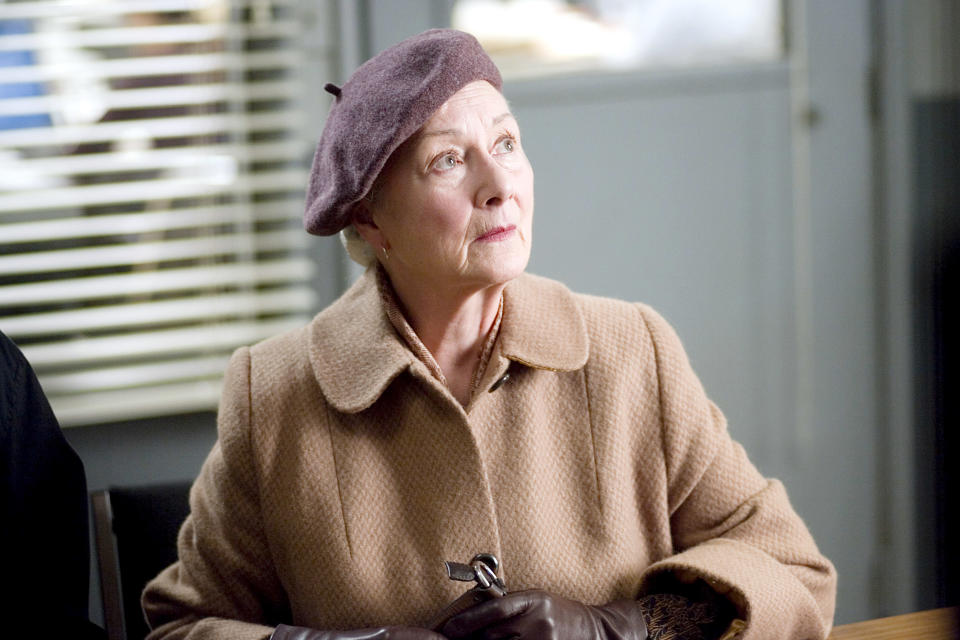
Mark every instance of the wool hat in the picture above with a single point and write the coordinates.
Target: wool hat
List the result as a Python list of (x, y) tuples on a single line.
[(386, 100)]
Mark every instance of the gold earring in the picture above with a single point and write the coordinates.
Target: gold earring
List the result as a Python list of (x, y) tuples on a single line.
[(386, 255)]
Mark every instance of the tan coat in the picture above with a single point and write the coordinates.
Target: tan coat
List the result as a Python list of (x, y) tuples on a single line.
[(345, 474)]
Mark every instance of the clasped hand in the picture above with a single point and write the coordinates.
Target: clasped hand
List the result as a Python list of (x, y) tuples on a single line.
[(523, 615), (538, 615)]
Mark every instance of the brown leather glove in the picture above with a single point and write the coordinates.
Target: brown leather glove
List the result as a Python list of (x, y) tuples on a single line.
[(284, 632), (538, 615)]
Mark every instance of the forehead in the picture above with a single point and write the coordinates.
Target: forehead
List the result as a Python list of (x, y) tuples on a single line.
[(476, 103), (478, 100)]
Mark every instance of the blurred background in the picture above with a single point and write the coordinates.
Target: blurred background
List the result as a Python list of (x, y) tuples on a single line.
[(779, 178)]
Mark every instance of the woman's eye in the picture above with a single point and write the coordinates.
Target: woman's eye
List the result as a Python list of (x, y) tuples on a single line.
[(506, 145), (445, 162)]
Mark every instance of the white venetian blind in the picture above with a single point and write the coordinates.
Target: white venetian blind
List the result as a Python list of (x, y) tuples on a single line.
[(153, 157)]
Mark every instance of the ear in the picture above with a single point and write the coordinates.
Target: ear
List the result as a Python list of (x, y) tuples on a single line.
[(362, 220)]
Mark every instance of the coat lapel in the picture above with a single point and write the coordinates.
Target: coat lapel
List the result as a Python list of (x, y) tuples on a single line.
[(543, 326), (354, 350)]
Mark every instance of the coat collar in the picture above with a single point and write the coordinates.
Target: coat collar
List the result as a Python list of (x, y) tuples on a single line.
[(356, 353)]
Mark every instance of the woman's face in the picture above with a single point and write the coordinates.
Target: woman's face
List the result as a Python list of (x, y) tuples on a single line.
[(454, 204)]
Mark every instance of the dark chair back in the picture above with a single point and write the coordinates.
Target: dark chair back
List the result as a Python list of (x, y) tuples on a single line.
[(136, 530)]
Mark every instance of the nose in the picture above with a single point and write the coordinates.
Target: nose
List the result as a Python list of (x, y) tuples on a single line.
[(495, 184)]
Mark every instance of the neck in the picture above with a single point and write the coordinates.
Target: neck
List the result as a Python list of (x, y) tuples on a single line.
[(453, 326)]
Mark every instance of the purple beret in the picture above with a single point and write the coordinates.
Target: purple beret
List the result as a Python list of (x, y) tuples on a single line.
[(383, 103)]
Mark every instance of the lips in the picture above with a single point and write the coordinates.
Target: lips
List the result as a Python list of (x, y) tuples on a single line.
[(498, 233)]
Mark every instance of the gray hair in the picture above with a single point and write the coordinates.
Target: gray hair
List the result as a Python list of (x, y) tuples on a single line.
[(357, 248)]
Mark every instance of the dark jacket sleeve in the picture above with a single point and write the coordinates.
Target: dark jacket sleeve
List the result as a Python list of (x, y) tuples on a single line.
[(43, 507)]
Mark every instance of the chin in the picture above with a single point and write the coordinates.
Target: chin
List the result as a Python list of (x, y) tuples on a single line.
[(505, 270)]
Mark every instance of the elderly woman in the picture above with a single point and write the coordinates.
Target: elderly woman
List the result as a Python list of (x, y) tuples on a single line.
[(449, 404)]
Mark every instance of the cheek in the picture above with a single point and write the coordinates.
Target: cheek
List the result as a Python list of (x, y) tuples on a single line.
[(526, 190), (421, 217), (447, 215)]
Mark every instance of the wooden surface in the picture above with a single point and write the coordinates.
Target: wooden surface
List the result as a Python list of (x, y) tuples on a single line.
[(937, 624)]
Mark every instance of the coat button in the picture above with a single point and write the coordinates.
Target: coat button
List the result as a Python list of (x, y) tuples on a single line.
[(499, 383)]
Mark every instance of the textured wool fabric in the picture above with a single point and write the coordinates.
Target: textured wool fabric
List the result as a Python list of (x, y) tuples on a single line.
[(345, 474), (385, 101)]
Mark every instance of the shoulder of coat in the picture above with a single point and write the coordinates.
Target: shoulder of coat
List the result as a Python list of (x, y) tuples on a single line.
[(286, 345), (615, 329), (604, 314), (280, 359)]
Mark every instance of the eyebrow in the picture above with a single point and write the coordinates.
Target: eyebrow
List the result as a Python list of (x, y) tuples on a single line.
[(452, 132)]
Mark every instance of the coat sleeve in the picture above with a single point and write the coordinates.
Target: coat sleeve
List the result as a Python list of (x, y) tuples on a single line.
[(43, 505), (730, 526), (224, 584)]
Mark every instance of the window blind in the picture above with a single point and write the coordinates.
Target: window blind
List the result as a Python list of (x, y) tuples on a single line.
[(153, 156)]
